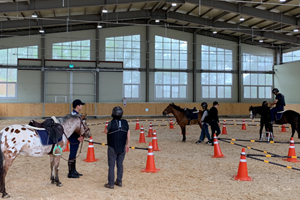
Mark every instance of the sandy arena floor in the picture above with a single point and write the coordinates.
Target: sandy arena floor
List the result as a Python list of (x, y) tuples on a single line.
[(187, 170)]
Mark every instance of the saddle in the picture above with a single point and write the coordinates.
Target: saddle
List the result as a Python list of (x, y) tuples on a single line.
[(191, 113), (54, 130)]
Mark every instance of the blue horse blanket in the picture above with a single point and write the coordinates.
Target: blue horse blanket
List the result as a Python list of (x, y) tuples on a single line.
[(44, 137)]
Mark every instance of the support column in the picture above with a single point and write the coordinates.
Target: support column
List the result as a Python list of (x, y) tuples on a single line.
[(147, 63), (97, 71), (278, 56), (194, 65), (43, 73), (239, 67)]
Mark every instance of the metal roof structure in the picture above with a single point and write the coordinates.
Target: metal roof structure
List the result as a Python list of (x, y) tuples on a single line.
[(268, 23)]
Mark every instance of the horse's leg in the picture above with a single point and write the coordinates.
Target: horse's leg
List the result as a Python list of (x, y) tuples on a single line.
[(293, 129), (56, 167), (8, 162), (51, 168), (183, 134)]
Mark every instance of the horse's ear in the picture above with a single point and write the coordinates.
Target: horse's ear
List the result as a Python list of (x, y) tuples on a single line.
[(83, 116)]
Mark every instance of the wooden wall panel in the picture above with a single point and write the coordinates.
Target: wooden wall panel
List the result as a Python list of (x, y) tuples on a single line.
[(131, 109)]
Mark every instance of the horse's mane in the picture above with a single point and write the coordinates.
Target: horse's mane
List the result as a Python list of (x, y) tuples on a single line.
[(177, 107), (68, 117)]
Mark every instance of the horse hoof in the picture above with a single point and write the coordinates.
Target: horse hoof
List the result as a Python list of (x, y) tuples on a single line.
[(183, 141), (52, 181), (59, 184)]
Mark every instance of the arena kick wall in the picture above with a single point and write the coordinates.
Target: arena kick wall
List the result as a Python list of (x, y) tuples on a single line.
[(37, 110)]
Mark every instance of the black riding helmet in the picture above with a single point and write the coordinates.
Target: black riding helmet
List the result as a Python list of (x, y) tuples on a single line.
[(275, 90), (204, 105), (117, 112)]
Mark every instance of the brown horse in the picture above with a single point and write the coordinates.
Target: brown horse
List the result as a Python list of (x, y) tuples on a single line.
[(181, 119)]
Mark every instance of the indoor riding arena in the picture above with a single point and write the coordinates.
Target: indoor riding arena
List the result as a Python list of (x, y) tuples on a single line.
[(163, 63)]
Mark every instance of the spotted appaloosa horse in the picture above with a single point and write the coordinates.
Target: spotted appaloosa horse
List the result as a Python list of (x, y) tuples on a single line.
[(19, 139)]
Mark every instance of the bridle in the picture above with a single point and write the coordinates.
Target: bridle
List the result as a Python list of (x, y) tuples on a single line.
[(85, 130)]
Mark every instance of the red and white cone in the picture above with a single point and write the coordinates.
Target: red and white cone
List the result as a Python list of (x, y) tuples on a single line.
[(244, 124), (217, 149), (243, 170), (106, 124), (224, 131), (150, 132), (154, 142), (67, 147), (171, 124), (292, 153), (283, 128), (137, 125), (142, 136), (90, 157), (150, 165)]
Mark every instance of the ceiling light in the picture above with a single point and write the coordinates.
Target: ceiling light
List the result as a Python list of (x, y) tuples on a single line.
[(282, 0), (215, 32), (99, 26), (34, 15), (41, 31), (157, 20), (261, 41), (242, 18), (104, 10), (174, 4), (296, 30)]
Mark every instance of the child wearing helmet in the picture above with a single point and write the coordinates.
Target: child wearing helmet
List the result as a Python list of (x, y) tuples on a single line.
[(205, 124)]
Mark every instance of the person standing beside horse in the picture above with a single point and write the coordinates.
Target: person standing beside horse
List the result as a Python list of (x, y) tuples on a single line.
[(205, 123), (74, 140), (118, 138), (279, 102), (215, 124)]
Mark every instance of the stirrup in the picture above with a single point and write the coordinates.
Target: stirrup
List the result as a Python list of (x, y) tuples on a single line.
[(60, 150)]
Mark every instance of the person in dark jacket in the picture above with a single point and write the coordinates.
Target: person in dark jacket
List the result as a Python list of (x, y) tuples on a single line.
[(74, 140), (214, 117), (205, 120), (118, 138), (265, 119), (279, 102)]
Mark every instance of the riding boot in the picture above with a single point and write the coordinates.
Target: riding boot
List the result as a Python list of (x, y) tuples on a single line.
[(71, 165), (75, 171)]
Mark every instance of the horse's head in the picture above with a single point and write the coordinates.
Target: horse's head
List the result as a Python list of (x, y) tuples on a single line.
[(253, 112), (168, 109), (84, 130)]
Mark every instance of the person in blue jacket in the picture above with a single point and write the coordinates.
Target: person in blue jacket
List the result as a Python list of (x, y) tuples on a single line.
[(279, 102), (74, 140)]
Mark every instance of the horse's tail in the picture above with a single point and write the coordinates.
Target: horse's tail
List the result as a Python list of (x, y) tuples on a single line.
[(298, 126), (2, 171)]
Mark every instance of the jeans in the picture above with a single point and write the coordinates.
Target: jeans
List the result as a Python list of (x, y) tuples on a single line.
[(275, 110), (112, 157), (204, 131)]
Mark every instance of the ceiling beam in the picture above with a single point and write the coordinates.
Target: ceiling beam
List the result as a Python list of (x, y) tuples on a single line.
[(274, 7), (216, 18)]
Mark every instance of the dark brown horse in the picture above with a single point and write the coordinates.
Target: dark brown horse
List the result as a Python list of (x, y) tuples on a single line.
[(181, 119), (288, 117)]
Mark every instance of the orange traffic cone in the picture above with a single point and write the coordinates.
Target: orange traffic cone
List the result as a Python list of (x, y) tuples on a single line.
[(142, 136), (67, 147), (106, 124), (283, 128), (154, 142), (244, 124), (242, 171), (150, 166), (90, 157), (137, 125), (171, 124), (224, 131), (292, 152), (217, 149), (150, 132)]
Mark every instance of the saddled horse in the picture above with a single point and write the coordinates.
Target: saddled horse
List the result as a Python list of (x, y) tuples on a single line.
[(181, 119), (288, 117), (21, 139)]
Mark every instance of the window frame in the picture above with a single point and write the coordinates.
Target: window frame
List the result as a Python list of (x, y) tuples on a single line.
[(71, 47), (10, 82)]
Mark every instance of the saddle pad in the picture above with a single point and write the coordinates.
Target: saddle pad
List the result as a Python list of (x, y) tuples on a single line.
[(45, 140), (191, 116), (278, 115)]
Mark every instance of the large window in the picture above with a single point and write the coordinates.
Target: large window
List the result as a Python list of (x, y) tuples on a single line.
[(8, 83), (10, 56), (126, 49), (170, 54), (76, 50), (257, 76), (291, 56), (215, 81)]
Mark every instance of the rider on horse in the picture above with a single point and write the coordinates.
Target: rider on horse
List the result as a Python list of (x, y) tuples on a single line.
[(280, 103)]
